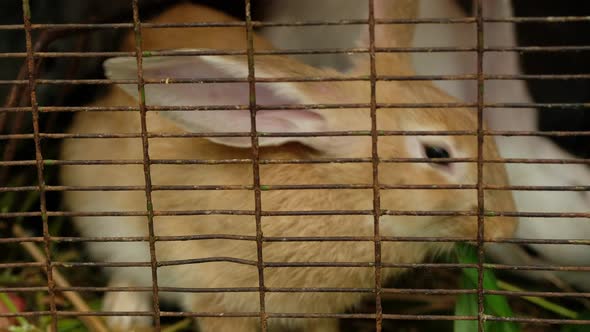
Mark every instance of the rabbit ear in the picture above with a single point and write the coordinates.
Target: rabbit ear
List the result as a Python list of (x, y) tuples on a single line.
[(505, 63), (194, 94), (390, 35)]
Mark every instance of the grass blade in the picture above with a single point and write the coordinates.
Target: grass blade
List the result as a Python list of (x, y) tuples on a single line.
[(495, 305)]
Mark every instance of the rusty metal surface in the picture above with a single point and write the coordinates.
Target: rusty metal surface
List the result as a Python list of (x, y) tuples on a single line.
[(253, 108), (375, 164), (354, 50), (39, 163), (465, 20), (146, 166), (481, 316)]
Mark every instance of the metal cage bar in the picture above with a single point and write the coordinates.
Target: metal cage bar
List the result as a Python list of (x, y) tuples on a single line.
[(39, 163), (146, 165), (253, 108), (375, 166), (466, 20), (481, 316)]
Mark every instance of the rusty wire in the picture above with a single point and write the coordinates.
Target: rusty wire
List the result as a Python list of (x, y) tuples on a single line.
[(39, 163), (253, 108), (146, 166), (32, 55), (375, 164), (466, 20), (354, 50), (481, 316)]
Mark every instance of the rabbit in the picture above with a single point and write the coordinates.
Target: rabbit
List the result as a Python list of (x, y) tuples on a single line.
[(546, 201), (231, 271), (536, 147)]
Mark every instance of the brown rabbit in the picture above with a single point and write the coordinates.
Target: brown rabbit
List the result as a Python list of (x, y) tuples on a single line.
[(238, 256)]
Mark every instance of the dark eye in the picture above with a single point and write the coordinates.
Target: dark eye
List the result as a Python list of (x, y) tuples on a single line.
[(437, 152)]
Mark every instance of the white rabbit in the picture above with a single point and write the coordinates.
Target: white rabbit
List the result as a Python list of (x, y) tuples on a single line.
[(235, 262), (535, 147)]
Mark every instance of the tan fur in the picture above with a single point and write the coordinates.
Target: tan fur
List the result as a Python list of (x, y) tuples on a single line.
[(225, 274), (390, 36)]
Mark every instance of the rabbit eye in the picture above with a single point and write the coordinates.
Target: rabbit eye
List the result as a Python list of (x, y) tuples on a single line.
[(436, 152)]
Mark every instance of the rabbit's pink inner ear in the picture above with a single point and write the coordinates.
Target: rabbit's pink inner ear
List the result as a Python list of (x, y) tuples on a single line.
[(219, 94), (235, 94), (230, 94), (270, 121)]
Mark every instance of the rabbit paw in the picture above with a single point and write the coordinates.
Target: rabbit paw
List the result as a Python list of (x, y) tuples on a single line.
[(127, 302)]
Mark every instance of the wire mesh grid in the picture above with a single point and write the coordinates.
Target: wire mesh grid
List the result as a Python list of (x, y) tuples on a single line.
[(29, 83)]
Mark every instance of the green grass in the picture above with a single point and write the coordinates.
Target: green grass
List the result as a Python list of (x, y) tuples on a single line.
[(467, 304)]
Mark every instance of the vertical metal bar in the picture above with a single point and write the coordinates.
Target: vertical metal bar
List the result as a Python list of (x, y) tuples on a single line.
[(255, 165), (146, 164), (480, 188), (39, 161), (375, 163)]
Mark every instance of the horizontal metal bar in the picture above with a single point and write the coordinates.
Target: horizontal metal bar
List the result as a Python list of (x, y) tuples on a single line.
[(536, 77), (230, 108), (537, 293), (301, 134), (207, 260), (295, 316), (369, 264), (145, 25), (543, 241), (539, 320), (514, 133), (537, 267), (538, 19), (59, 239), (346, 51), (22, 289), (416, 291), (538, 214), (296, 187), (55, 264), (285, 239), (22, 265), (323, 315), (462, 77), (51, 162), (74, 313), (4, 215), (538, 188)]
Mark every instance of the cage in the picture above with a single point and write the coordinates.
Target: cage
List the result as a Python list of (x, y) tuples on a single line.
[(349, 165)]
